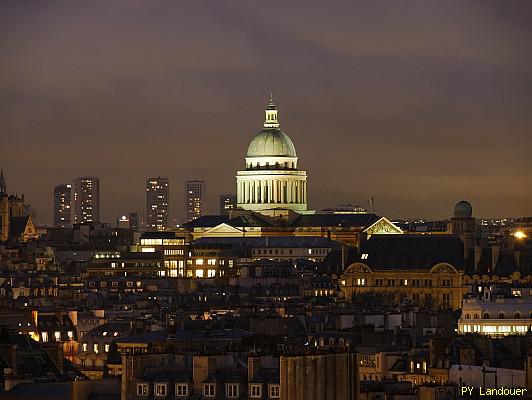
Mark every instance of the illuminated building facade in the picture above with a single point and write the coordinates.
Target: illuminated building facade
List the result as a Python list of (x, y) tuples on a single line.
[(227, 203), (62, 205), (171, 247), (424, 271), (500, 317), (194, 199), (157, 200), (86, 200), (271, 178)]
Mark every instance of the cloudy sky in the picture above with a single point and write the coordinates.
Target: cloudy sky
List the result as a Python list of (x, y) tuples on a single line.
[(416, 103)]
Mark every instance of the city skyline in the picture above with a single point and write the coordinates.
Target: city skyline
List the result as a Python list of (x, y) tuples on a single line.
[(418, 125)]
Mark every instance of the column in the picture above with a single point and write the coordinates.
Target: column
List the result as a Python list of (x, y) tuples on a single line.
[(262, 194)]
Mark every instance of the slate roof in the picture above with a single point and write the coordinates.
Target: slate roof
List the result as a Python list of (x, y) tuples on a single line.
[(268, 241), (57, 390), (304, 220), (412, 251)]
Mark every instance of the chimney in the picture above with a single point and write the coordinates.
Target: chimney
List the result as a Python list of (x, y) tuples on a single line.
[(495, 251), (73, 315), (478, 254), (253, 366)]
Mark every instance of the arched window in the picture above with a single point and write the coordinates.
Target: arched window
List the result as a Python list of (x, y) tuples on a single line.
[(476, 316), (467, 316), (517, 315), (501, 315), (486, 315)]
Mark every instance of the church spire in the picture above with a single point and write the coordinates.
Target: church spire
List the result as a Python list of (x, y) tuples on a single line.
[(271, 120)]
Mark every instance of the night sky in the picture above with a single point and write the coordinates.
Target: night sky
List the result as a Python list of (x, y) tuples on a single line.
[(419, 104)]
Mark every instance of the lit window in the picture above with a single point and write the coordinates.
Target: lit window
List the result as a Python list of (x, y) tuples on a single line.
[(95, 348), (199, 273), (44, 337), (84, 347), (57, 336), (364, 256), (106, 348), (199, 261)]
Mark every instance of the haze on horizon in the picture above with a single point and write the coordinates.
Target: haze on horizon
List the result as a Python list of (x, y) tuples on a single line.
[(419, 104)]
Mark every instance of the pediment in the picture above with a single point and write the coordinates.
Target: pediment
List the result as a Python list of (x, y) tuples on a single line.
[(222, 230), (383, 226)]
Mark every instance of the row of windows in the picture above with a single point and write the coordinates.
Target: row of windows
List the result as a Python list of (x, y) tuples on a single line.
[(95, 347), (129, 284), (209, 390), (402, 282), (501, 315)]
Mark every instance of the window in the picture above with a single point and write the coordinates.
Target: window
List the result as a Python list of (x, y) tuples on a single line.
[(181, 389), (142, 389), (486, 315), (199, 273), (84, 347), (211, 273), (501, 315), (255, 391), (275, 391), (232, 390), (428, 282), (57, 336), (517, 315), (160, 389), (106, 347), (391, 282), (95, 348), (44, 336), (209, 390)]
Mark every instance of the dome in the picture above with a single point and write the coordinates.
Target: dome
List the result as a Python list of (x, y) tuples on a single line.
[(463, 209), (271, 143)]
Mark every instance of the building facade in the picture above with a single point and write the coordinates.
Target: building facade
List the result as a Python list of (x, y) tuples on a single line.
[(86, 200), (63, 205), (271, 178), (194, 199), (157, 200)]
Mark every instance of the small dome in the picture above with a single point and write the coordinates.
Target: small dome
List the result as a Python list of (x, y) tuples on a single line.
[(271, 143), (463, 209)]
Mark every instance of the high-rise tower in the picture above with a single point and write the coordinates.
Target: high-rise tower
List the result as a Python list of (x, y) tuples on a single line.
[(157, 200)]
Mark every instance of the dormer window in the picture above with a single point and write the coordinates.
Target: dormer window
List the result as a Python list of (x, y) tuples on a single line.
[(231, 390), (181, 389), (160, 389), (209, 390), (275, 391), (255, 391)]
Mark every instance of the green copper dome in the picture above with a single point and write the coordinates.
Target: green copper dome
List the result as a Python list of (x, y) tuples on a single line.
[(463, 209), (271, 143)]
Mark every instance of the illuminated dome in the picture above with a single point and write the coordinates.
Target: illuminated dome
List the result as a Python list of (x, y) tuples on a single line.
[(463, 209), (271, 179), (271, 143)]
